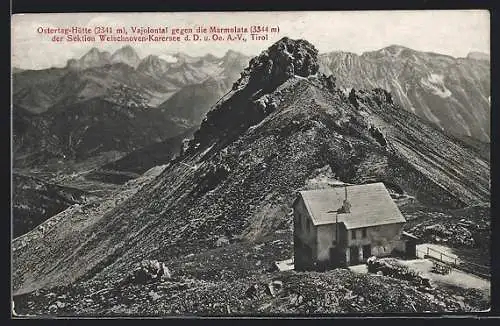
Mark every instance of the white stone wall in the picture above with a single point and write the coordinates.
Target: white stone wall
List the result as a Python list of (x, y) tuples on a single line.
[(305, 230), (325, 237), (383, 239)]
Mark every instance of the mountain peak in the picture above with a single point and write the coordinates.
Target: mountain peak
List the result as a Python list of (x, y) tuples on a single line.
[(93, 50), (281, 61), (478, 56), (93, 58), (127, 47), (153, 66), (210, 57), (151, 58), (127, 55), (95, 53), (182, 57), (232, 54), (393, 50)]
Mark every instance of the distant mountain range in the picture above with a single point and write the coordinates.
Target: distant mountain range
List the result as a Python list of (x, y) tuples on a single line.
[(99, 74), (110, 101), (453, 93)]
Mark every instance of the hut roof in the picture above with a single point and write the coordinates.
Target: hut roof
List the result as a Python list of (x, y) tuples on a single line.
[(371, 205)]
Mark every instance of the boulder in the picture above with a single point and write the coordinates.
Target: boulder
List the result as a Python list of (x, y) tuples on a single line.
[(251, 292), (154, 296), (274, 288), (222, 242), (353, 98), (53, 308), (60, 304), (150, 271)]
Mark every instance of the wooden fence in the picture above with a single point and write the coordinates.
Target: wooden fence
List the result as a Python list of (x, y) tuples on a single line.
[(455, 262)]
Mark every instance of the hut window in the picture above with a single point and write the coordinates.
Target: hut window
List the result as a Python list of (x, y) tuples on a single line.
[(353, 234), (364, 233)]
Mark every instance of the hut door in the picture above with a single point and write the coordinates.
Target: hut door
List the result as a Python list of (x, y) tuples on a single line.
[(354, 255), (337, 257), (367, 251)]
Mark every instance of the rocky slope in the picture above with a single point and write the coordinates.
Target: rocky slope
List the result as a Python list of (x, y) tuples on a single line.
[(84, 129), (190, 105), (34, 201), (145, 158), (320, 294), (153, 66), (233, 187), (453, 93)]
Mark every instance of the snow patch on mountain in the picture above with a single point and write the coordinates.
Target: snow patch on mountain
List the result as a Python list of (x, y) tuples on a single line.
[(168, 58), (435, 83)]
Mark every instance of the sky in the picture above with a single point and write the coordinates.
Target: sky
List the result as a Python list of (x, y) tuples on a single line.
[(451, 32)]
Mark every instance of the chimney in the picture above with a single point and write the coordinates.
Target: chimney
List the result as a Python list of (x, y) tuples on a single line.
[(346, 205)]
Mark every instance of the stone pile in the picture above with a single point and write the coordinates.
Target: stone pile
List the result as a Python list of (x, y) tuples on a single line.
[(392, 268), (454, 234)]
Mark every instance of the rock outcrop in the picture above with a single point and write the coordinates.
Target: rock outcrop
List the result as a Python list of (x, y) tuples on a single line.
[(248, 103), (281, 61)]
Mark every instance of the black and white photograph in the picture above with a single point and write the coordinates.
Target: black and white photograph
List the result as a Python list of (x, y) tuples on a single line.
[(271, 163)]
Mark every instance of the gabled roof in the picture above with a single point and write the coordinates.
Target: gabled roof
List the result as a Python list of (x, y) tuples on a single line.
[(371, 204)]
